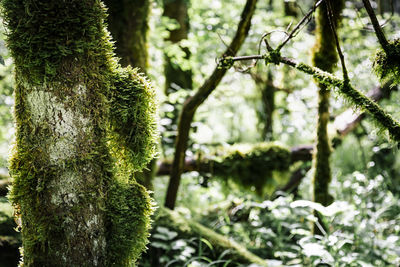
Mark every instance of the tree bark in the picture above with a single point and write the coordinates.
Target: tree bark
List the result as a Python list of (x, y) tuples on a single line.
[(267, 89), (192, 103), (75, 201)]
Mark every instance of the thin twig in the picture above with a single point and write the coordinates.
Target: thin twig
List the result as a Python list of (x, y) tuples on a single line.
[(339, 50), (297, 27)]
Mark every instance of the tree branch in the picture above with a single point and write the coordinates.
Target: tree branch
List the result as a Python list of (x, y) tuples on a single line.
[(358, 99), (377, 27)]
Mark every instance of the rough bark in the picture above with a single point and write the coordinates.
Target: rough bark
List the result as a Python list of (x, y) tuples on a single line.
[(75, 201), (193, 102), (128, 24), (324, 57)]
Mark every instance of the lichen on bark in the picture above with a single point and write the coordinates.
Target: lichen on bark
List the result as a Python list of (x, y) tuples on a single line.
[(76, 203)]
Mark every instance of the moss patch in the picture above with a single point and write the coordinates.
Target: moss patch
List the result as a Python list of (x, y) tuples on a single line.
[(387, 63), (253, 166)]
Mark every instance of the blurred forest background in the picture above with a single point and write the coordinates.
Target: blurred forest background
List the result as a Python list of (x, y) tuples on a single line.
[(245, 196)]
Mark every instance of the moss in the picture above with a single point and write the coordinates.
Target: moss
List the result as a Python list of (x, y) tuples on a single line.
[(225, 62), (133, 122), (71, 157), (130, 208), (253, 166), (387, 63)]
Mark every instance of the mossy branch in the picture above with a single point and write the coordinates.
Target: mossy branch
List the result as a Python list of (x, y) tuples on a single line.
[(345, 89), (190, 228)]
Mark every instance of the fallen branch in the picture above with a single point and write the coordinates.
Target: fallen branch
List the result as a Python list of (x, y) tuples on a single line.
[(189, 228)]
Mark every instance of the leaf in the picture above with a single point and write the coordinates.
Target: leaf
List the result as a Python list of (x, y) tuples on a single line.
[(331, 210), (166, 232)]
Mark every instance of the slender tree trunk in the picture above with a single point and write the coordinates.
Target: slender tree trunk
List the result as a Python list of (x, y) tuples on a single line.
[(176, 77), (324, 57), (192, 103), (75, 201), (128, 24), (267, 90)]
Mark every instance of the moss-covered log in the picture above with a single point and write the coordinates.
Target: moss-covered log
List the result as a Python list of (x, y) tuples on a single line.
[(128, 24), (190, 228), (73, 191)]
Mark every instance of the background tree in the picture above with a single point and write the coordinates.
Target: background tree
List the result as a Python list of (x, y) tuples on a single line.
[(128, 22), (324, 57)]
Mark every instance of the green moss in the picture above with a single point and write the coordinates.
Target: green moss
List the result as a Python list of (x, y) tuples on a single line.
[(387, 63), (253, 166), (130, 208), (73, 157), (133, 121)]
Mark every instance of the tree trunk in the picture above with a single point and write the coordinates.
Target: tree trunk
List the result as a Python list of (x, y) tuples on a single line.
[(128, 24), (267, 90), (324, 57), (175, 77), (75, 201), (192, 103)]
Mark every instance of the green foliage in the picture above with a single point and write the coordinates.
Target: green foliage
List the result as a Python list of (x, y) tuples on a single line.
[(387, 63), (252, 166)]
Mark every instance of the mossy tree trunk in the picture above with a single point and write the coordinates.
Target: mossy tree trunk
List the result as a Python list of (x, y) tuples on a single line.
[(73, 192), (324, 57), (128, 22), (267, 89)]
